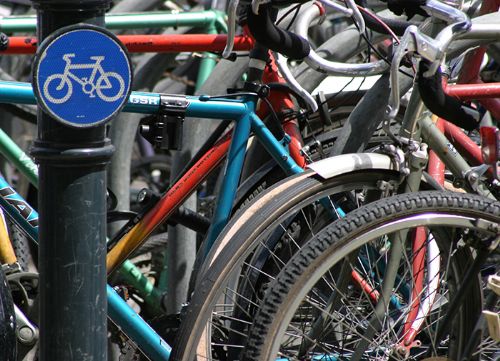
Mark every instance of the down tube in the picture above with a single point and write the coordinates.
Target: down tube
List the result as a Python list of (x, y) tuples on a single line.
[(132, 324)]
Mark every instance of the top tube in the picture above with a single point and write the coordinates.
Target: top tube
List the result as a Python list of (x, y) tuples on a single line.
[(140, 102), (146, 20)]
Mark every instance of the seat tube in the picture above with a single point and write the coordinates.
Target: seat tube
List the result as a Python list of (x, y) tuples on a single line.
[(232, 172), (207, 63)]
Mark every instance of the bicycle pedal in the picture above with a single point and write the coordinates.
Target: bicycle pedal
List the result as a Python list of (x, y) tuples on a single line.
[(493, 321)]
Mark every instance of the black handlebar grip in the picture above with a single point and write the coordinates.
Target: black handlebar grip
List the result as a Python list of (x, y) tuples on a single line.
[(269, 35), (444, 106), (408, 7), (397, 26)]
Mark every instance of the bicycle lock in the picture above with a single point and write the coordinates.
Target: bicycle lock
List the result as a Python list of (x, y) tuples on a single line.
[(81, 78)]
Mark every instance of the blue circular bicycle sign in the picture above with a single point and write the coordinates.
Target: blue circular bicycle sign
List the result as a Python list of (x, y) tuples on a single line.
[(82, 76)]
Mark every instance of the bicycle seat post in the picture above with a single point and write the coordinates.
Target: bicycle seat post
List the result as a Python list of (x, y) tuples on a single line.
[(72, 205)]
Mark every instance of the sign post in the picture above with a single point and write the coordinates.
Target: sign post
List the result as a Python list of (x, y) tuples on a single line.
[(81, 77)]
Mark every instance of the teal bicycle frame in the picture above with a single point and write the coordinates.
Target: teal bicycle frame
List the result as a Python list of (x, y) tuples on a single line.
[(239, 110)]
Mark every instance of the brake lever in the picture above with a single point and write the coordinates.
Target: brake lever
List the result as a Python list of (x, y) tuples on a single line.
[(281, 62), (413, 41)]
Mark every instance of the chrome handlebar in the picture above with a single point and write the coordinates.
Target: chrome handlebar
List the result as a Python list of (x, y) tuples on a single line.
[(433, 50), (334, 68), (412, 42)]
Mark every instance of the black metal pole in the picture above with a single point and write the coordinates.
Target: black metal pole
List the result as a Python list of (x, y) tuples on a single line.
[(72, 207)]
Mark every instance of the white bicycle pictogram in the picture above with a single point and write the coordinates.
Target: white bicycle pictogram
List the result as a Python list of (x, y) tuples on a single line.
[(89, 85)]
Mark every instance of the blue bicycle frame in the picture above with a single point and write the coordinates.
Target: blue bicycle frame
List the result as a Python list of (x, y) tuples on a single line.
[(242, 111)]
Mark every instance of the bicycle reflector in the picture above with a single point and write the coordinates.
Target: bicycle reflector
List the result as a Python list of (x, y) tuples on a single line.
[(490, 144)]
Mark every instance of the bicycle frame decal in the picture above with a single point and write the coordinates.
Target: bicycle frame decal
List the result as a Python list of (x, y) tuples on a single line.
[(143, 99), (82, 86), (23, 208)]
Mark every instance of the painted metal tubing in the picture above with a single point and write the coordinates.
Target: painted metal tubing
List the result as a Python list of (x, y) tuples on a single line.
[(205, 107), (207, 64), (139, 102), (168, 43), (442, 146), (134, 326), (436, 166), (134, 277), (19, 210), (466, 146), (149, 20), (17, 93), (165, 206), (232, 173), (279, 153), (19, 158), (22, 93), (7, 254), (473, 91)]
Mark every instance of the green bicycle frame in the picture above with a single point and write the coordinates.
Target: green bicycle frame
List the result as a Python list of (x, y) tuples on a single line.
[(149, 20)]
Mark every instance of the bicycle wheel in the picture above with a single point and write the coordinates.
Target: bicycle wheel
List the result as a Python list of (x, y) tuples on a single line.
[(233, 279), (348, 294)]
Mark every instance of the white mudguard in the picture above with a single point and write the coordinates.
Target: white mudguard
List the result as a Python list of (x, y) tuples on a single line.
[(345, 163)]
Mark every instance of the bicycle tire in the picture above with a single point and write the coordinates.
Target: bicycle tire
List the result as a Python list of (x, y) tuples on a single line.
[(21, 245), (336, 243), (8, 337), (246, 230)]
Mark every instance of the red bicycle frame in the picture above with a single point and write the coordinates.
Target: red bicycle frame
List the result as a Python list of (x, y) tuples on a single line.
[(150, 43)]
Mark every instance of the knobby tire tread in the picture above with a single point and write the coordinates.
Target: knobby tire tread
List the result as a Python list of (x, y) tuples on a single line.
[(370, 216)]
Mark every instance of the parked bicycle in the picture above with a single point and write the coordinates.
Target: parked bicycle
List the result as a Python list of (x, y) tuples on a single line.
[(281, 221)]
